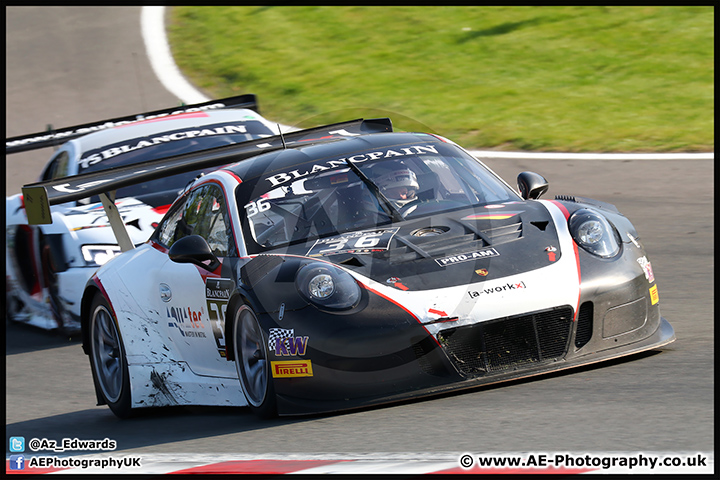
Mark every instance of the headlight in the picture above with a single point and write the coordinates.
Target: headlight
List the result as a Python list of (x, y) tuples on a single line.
[(97, 255), (594, 233), (321, 286), (327, 286)]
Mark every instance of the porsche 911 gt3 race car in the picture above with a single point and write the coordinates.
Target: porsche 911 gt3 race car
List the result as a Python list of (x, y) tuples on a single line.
[(48, 266), (350, 265)]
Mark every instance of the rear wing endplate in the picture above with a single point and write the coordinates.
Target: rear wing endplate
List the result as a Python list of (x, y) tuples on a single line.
[(40, 196), (52, 138)]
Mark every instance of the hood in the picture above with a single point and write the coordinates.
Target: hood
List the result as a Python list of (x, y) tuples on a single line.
[(449, 249)]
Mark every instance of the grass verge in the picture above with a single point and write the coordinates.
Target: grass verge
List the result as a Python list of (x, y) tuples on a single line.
[(575, 79)]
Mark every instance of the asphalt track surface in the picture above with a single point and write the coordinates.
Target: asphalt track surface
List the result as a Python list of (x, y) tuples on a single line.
[(71, 65)]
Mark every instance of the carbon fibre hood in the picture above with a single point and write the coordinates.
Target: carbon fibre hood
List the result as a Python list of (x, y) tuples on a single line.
[(460, 247)]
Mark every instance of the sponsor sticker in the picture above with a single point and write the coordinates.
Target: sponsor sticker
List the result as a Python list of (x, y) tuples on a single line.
[(217, 296), (501, 288), (467, 257), (654, 297), (275, 334), (284, 342), (218, 288), (366, 241), (280, 178), (189, 322), (647, 268), (94, 156), (287, 369)]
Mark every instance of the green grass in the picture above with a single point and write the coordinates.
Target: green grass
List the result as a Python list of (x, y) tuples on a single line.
[(576, 79)]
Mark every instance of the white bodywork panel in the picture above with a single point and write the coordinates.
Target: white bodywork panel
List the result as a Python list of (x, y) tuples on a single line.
[(171, 348)]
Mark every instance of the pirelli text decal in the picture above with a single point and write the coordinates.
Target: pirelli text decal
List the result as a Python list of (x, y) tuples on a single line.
[(295, 368)]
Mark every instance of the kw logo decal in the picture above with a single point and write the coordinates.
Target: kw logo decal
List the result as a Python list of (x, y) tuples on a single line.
[(284, 342)]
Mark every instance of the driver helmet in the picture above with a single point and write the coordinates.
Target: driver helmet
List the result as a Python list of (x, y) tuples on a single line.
[(399, 185)]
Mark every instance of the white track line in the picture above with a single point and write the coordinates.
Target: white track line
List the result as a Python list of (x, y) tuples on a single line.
[(152, 20)]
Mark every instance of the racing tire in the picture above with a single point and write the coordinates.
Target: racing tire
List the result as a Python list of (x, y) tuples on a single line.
[(108, 359), (253, 364)]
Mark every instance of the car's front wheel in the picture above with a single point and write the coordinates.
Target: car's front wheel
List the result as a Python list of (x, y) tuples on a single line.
[(107, 358), (252, 362)]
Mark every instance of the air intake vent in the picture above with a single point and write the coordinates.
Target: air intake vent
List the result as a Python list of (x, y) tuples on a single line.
[(507, 233), (508, 343), (432, 241), (584, 325)]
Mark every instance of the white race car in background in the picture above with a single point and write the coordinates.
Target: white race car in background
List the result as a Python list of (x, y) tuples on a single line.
[(47, 266)]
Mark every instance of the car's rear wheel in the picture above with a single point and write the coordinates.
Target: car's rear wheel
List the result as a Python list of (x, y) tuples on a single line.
[(252, 362), (107, 358)]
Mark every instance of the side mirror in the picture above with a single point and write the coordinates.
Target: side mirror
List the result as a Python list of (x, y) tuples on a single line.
[(531, 185), (193, 249)]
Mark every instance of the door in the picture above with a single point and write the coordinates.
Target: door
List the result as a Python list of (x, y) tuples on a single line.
[(192, 299)]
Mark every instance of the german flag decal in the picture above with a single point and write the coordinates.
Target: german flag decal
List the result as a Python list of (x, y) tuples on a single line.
[(491, 216)]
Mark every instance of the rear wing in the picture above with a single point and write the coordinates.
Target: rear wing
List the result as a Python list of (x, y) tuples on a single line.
[(39, 196), (52, 138)]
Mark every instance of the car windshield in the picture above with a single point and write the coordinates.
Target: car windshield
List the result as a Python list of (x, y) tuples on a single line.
[(376, 190), (165, 145)]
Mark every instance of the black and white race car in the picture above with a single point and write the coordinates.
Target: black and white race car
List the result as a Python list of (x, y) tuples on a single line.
[(350, 265), (48, 266)]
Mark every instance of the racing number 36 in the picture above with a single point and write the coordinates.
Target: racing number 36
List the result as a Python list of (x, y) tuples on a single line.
[(253, 208), (358, 242), (366, 241)]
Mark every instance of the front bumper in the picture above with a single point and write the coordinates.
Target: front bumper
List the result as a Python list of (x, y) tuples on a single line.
[(662, 336)]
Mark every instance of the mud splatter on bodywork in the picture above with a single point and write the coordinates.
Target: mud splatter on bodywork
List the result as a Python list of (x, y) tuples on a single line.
[(159, 381)]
